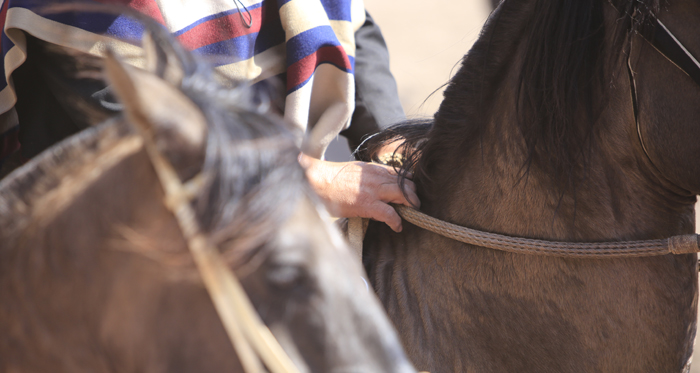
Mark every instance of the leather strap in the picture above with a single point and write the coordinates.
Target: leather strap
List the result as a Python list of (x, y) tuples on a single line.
[(670, 47)]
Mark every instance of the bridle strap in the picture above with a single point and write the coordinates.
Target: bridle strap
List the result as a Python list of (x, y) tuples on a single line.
[(664, 42), (251, 339), (670, 47), (635, 109)]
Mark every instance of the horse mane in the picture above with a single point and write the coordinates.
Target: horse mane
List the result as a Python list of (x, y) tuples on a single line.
[(19, 190), (562, 86), (560, 92), (559, 88)]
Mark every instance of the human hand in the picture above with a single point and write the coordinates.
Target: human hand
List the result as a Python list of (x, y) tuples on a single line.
[(359, 189)]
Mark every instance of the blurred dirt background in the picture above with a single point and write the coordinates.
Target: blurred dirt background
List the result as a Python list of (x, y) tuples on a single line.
[(426, 41)]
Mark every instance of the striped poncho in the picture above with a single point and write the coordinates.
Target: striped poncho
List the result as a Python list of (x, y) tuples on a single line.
[(309, 44)]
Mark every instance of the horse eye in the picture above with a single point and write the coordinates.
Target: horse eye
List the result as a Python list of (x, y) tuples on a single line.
[(286, 277)]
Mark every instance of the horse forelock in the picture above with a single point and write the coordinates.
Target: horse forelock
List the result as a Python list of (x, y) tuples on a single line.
[(251, 158)]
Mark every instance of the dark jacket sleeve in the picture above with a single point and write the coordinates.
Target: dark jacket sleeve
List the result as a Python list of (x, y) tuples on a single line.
[(377, 104)]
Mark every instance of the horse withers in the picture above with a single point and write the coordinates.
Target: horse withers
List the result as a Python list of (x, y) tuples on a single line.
[(95, 274), (564, 123)]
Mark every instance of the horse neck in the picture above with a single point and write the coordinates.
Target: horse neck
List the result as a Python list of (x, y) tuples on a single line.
[(481, 177), (64, 282), (668, 100)]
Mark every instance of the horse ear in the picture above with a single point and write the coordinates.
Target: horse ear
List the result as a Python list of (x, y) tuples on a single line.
[(177, 125), (162, 61)]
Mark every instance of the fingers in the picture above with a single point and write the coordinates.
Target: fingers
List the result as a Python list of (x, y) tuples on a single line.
[(410, 189), (351, 189), (391, 192), (390, 170), (382, 212)]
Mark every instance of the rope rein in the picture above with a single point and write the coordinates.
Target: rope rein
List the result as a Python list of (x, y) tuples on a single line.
[(682, 244)]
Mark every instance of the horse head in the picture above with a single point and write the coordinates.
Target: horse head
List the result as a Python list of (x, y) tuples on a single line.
[(96, 274)]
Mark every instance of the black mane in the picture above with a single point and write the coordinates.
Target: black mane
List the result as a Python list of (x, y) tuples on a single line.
[(560, 92), (563, 83)]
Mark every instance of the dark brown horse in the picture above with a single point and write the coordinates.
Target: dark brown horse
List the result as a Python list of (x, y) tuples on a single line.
[(537, 137), (95, 275)]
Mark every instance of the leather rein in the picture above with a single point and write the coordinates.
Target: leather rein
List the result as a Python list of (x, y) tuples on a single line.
[(675, 52)]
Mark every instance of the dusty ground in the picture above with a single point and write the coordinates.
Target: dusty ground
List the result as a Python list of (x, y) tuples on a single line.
[(426, 40)]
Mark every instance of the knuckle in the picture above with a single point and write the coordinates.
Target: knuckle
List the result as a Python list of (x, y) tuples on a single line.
[(381, 211)]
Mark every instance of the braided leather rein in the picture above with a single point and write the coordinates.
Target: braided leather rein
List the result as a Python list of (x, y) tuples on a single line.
[(682, 244)]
